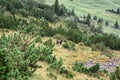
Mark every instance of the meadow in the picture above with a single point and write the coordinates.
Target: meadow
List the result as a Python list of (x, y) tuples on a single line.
[(95, 8)]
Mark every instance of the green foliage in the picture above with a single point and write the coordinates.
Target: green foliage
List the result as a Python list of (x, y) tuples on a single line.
[(99, 46), (116, 25), (88, 20), (43, 23), (47, 31), (66, 45), (69, 45), (115, 75), (62, 10), (18, 63), (56, 65), (96, 29), (38, 39), (92, 71), (100, 21), (19, 57), (95, 18), (74, 35), (109, 40), (95, 68), (49, 43), (50, 74), (107, 23), (8, 22), (56, 7), (78, 67), (71, 23), (64, 71)]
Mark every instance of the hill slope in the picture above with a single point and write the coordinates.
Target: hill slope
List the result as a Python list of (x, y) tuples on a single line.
[(95, 8)]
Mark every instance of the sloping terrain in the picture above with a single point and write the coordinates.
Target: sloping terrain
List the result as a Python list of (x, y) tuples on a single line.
[(38, 43), (95, 8)]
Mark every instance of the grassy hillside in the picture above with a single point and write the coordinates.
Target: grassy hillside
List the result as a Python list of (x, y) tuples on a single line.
[(95, 8), (43, 42)]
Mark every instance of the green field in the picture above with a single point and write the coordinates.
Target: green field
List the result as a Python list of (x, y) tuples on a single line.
[(94, 7)]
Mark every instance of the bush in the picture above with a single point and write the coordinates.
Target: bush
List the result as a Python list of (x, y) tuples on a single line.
[(71, 23), (69, 45), (19, 57), (8, 22), (50, 74), (99, 46), (94, 68), (115, 75), (92, 71), (74, 35), (47, 31), (49, 43), (56, 65), (38, 39), (43, 23), (66, 45), (66, 72)]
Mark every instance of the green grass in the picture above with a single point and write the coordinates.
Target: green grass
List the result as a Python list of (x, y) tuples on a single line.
[(94, 7)]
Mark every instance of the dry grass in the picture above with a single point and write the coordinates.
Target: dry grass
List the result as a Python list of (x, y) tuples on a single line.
[(81, 54)]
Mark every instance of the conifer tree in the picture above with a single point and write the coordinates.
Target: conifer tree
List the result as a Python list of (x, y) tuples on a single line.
[(118, 11), (107, 23), (56, 7), (73, 12), (95, 18), (88, 19), (116, 25)]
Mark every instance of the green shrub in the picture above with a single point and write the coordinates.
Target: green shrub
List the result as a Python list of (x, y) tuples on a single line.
[(94, 68), (47, 31), (50, 59), (115, 75), (19, 58), (63, 70), (43, 23), (78, 67), (99, 46), (8, 22), (56, 65), (49, 43), (50, 74), (69, 75), (69, 45), (66, 45), (71, 23), (66, 72), (92, 71), (38, 39)]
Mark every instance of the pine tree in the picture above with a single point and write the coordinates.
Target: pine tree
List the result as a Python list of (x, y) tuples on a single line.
[(73, 12), (107, 23), (88, 19), (100, 20), (116, 25), (118, 11), (95, 18), (57, 7)]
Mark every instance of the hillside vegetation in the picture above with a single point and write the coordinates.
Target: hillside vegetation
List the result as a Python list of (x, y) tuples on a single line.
[(95, 8), (39, 41)]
